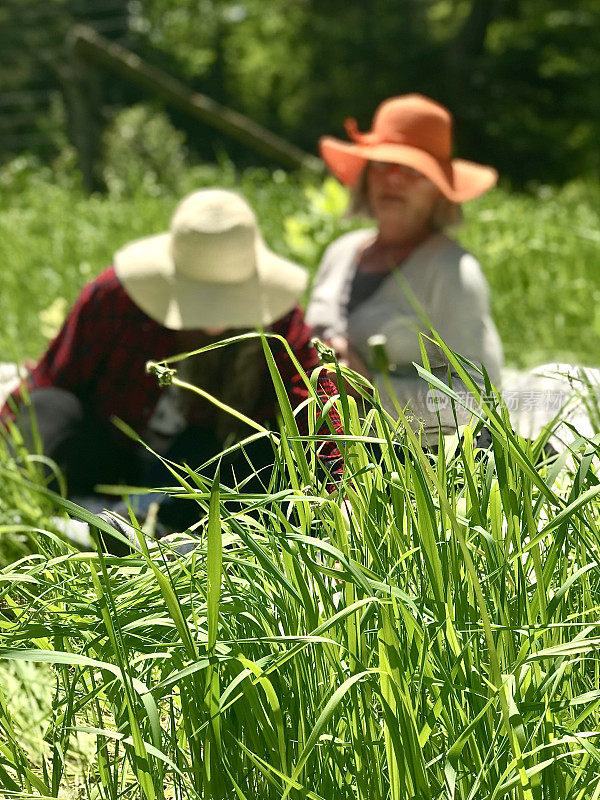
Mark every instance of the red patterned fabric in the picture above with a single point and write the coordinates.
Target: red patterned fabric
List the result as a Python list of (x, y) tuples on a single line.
[(100, 355)]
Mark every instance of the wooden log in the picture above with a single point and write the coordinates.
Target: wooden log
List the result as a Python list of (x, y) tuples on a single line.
[(89, 45)]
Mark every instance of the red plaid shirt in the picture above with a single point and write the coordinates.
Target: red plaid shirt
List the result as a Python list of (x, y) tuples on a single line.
[(100, 355)]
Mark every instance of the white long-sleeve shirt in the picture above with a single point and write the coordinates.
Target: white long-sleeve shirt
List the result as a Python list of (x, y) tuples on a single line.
[(449, 287)]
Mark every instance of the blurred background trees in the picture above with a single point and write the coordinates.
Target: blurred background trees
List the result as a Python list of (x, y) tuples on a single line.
[(521, 76)]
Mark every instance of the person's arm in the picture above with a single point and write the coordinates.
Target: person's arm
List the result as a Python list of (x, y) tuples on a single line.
[(72, 358), (323, 308), (326, 312), (298, 335), (326, 309), (462, 315)]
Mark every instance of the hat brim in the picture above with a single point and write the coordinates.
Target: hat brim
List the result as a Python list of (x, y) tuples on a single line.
[(458, 180), (145, 268)]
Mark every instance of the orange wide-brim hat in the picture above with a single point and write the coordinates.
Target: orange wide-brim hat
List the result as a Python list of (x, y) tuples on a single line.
[(417, 132)]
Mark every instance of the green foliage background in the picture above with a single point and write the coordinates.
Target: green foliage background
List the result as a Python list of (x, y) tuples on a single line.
[(521, 76), (539, 253), (522, 79)]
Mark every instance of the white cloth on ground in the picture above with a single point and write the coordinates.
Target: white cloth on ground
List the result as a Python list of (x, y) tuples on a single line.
[(10, 377), (534, 397)]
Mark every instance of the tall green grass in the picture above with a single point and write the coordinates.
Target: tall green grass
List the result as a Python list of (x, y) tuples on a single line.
[(427, 630)]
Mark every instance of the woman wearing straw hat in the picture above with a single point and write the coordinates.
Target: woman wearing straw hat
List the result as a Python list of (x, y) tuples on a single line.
[(385, 281), (210, 274)]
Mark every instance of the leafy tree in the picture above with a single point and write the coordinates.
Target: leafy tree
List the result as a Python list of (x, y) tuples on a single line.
[(521, 76)]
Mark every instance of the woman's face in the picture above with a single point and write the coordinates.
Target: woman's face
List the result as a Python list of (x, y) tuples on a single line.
[(402, 200)]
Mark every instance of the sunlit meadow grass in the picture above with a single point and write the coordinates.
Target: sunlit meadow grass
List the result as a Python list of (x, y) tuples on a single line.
[(437, 640), (540, 253)]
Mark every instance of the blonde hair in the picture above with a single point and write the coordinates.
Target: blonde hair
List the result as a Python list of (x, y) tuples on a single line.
[(445, 215)]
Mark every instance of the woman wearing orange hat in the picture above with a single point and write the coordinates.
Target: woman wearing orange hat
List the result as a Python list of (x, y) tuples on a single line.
[(402, 173)]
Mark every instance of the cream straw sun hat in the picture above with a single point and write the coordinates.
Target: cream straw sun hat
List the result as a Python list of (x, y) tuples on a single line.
[(212, 268)]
